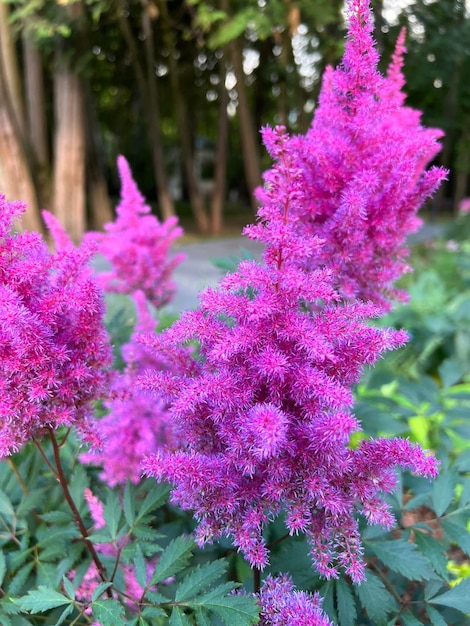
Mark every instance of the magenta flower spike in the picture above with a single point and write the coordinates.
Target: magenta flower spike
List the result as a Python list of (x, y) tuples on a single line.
[(54, 350), (266, 404), (363, 166), (137, 246)]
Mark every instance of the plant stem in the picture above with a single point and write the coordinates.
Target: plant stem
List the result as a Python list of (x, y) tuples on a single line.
[(256, 579), (60, 475)]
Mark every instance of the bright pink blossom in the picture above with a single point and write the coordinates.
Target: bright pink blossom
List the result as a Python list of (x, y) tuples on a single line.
[(265, 404), (137, 246), (362, 169), (54, 349), (282, 605)]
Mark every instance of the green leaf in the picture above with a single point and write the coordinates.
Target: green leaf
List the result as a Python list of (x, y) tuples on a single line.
[(410, 620), (112, 514), (140, 567), (173, 559), (457, 533), (100, 589), (199, 579), (156, 597), (108, 612), (5, 621), (17, 582), (450, 372), (42, 599), (157, 496), (202, 618), (153, 611), (443, 491), (435, 617), (402, 557), (375, 599), (233, 610), (65, 613), (178, 618), (345, 603), (129, 503), (3, 567), (457, 598), (69, 588), (434, 551)]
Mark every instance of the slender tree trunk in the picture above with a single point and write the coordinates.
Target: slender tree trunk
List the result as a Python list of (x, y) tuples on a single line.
[(220, 172), (69, 141), (248, 133), (36, 124), (152, 116), (164, 197), (195, 197), (69, 153), (16, 181)]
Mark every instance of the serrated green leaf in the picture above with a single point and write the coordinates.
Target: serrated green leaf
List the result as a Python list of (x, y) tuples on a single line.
[(402, 557), (6, 508), (345, 603), (100, 589), (153, 611), (65, 613), (443, 491), (450, 372), (233, 610), (68, 587), (129, 503), (5, 621), (457, 598), (140, 567), (157, 496), (202, 618), (112, 514), (434, 551), (435, 617), (146, 533), (199, 579), (178, 618), (173, 559), (108, 612), (375, 599), (409, 619), (56, 517), (42, 599), (30, 502), (156, 597), (3, 567), (17, 582), (458, 533)]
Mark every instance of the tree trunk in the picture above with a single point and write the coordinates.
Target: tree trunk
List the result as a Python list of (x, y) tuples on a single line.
[(69, 153), (248, 133), (165, 200), (220, 170), (36, 124), (195, 197), (16, 181)]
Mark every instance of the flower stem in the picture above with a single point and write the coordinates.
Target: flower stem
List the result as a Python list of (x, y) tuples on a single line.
[(256, 579), (60, 475)]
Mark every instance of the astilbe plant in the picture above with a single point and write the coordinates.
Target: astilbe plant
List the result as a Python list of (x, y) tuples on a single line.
[(363, 166), (137, 246), (137, 422), (54, 350), (266, 402)]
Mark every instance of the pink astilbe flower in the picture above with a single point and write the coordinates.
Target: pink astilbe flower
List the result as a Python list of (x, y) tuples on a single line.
[(282, 605), (137, 246), (362, 167), (137, 422), (54, 350), (266, 404)]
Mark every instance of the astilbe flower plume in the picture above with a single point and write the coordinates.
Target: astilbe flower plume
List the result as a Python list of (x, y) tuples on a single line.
[(137, 246), (54, 350), (265, 405), (363, 168), (282, 605), (137, 422)]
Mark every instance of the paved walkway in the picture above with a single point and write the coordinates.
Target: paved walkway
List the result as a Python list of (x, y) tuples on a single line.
[(198, 271)]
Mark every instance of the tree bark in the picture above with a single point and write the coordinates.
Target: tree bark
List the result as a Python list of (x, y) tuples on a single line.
[(220, 170), (36, 124), (16, 181), (195, 197), (69, 153)]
